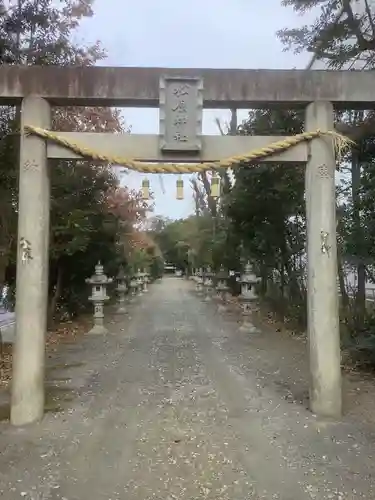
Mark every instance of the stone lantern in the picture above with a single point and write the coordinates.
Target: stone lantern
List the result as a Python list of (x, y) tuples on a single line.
[(193, 276), (199, 281), (222, 288), (99, 282), (248, 297), (133, 288), (121, 290), (146, 281), (139, 280), (207, 283)]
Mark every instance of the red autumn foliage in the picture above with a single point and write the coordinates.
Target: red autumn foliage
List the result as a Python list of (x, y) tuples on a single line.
[(140, 240), (127, 205)]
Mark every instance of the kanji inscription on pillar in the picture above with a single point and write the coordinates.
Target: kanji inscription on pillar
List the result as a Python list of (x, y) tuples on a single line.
[(181, 103)]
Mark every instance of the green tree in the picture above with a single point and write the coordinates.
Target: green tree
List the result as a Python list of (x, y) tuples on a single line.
[(266, 212), (342, 36), (85, 227)]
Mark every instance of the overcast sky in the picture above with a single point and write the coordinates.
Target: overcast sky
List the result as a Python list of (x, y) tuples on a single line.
[(195, 33)]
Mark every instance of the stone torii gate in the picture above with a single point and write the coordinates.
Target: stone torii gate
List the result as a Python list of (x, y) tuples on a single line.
[(181, 94)]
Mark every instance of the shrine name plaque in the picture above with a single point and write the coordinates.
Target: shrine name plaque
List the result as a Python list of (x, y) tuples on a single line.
[(181, 108)]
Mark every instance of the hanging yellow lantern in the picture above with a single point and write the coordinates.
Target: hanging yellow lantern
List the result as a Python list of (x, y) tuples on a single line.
[(215, 186), (145, 189), (180, 189)]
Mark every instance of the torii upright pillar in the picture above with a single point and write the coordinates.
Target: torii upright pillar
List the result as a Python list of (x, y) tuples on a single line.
[(322, 293), (27, 401)]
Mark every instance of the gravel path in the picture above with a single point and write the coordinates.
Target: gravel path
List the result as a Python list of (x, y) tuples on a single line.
[(176, 403)]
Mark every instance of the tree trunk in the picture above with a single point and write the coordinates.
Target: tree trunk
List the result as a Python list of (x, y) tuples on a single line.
[(55, 296), (359, 237), (3, 267), (211, 202), (341, 276), (264, 278)]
